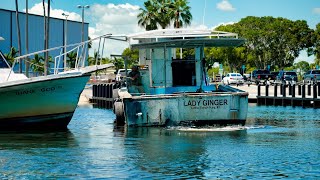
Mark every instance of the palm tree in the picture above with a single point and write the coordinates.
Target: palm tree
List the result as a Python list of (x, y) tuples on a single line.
[(163, 8), (37, 64), (72, 57), (11, 55), (92, 60), (180, 13), (161, 12), (147, 17)]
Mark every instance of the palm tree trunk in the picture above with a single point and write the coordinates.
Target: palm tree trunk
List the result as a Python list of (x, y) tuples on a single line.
[(27, 41), (19, 37)]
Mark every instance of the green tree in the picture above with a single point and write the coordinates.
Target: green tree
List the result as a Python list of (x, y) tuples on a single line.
[(11, 55), (315, 49), (37, 63), (149, 17), (132, 56), (72, 57), (179, 12), (301, 67), (273, 41), (118, 63), (161, 12)]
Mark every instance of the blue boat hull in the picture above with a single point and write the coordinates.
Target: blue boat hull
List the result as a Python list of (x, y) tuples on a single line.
[(197, 109)]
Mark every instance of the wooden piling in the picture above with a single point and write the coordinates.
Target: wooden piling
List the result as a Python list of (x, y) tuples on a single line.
[(304, 100), (290, 89), (102, 95)]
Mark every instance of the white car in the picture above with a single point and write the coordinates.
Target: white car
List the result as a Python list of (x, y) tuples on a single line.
[(121, 74), (233, 78)]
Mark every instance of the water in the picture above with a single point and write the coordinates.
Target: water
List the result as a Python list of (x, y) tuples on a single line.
[(276, 143)]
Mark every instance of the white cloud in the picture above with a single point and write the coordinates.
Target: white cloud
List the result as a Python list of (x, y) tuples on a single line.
[(57, 13), (225, 5), (223, 24), (316, 10), (114, 19)]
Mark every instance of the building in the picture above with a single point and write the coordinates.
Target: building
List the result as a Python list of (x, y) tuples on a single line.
[(8, 30)]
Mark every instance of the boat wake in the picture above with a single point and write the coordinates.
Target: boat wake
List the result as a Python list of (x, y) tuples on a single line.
[(214, 129)]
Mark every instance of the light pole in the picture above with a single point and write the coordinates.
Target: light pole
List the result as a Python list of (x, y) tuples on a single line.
[(65, 41), (82, 31)]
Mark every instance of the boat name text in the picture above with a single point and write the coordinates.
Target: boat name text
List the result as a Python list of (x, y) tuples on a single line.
[(220, 102), (31, 91)]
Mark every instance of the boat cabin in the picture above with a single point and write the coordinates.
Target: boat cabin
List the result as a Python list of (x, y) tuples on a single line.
[(163, 72)]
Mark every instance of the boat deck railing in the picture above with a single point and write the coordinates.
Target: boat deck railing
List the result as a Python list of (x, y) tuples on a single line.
[(80, 48)]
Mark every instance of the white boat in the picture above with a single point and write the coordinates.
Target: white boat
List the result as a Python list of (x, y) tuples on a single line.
[(176, 90), (46, 102)]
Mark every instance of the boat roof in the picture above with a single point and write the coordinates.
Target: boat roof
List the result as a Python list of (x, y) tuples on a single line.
[(182, 33), (184, 38), (190, 43)]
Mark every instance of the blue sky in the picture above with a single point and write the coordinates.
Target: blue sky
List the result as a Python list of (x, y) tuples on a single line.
[(119, 16)]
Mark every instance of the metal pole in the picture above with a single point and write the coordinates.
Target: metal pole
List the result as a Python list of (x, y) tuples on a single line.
[(65, 41), (27, 41), (19, 37), (82, 30)]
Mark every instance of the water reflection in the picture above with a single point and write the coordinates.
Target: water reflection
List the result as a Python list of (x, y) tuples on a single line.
[(36, 139), (172, 153)]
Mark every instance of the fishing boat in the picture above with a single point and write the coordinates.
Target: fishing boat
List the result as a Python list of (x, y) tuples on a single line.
[(44, 102), (176, 89)]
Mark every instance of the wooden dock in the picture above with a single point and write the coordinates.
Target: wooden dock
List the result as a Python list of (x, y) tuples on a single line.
[(305, 95), (102, 95)]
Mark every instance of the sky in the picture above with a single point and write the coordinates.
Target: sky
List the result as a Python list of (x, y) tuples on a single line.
[(119, 16)]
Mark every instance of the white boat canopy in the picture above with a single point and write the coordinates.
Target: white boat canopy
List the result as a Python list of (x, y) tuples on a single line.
[(184, 38)]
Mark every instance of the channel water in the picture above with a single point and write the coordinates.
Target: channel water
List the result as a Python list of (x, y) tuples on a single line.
[(276, 143)]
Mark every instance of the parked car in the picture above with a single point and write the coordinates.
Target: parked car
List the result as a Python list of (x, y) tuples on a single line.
[(274, 74), (121, 74), (261, 76), (233, 78), (246, 77), (312, 76), (287, 77)]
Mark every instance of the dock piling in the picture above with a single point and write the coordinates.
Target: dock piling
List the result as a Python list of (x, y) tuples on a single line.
[(304, 99), (303, 91), (102, 95)]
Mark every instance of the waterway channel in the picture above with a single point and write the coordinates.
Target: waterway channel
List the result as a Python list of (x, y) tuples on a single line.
[(276, 143)]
